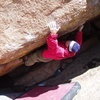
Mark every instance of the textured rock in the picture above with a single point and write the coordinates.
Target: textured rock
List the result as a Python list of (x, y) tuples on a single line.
[(5, 68), (23, 22)]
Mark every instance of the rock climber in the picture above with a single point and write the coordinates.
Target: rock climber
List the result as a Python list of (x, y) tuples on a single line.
[(56, 50)]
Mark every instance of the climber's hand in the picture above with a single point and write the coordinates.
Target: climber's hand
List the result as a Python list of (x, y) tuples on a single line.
[(54, 28)]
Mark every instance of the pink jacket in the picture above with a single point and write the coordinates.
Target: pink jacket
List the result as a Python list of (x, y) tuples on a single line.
[(57, 50)]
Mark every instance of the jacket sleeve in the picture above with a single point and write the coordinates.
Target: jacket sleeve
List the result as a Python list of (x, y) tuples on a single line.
[(52, 41), (69, 54), (78, 37)]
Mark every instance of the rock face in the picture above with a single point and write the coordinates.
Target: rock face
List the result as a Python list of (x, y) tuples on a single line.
[(5, 68), (23, 22)]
